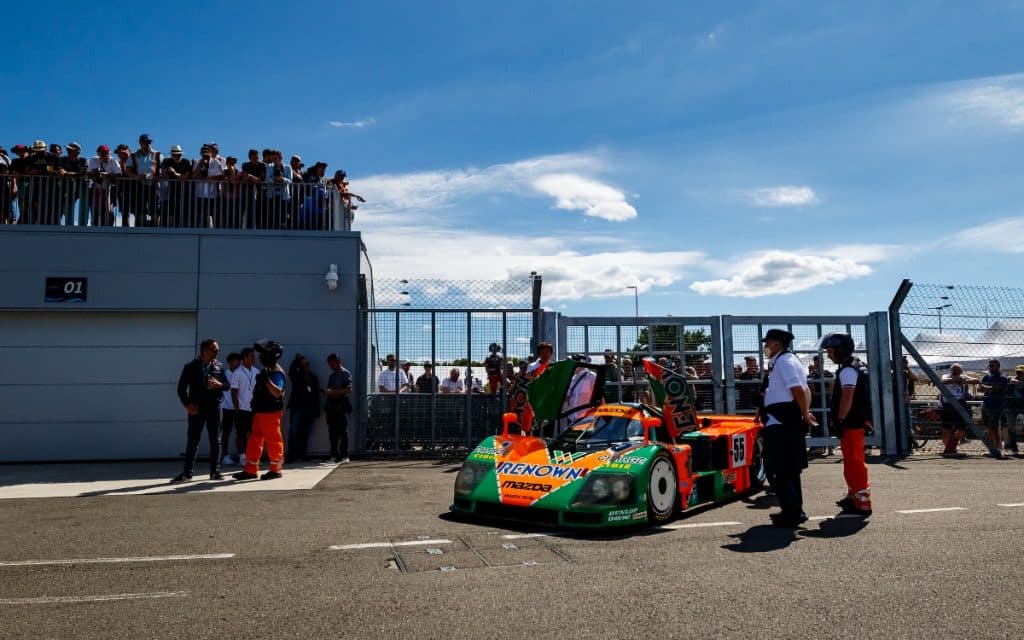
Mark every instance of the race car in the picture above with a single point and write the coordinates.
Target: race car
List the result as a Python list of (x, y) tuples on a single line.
[(615, 464)]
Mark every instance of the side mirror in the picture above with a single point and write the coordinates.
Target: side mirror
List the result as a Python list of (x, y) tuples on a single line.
[(507, 420), (648, 424)]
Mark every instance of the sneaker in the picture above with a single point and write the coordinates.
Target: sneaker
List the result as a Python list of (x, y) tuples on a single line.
[(846, 503), (216, 475), (181, 477), (344, 461), (241, 459), (244, 475), (271, 475), (227, 460), (854, 510)]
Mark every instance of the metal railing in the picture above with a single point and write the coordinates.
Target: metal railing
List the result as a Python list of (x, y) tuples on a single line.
[(210, 204)]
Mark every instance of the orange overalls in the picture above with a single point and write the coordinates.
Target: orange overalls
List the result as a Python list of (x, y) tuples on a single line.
[(265, 427)]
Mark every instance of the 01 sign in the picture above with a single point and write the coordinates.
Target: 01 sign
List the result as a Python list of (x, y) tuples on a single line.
[(66, 289)]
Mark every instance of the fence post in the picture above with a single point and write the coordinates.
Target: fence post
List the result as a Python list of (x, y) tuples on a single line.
[(468, 419)]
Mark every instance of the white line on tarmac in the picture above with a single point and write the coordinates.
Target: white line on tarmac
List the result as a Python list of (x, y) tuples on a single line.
[(520, 536), (933, 510), (103, 598), (207, 556), (697, 525), (1013, 504), (378, 545)]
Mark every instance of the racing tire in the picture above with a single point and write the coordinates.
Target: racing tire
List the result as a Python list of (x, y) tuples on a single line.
[(758, 471), (662, 489)]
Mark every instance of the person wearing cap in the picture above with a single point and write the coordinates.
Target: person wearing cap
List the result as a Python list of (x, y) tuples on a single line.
[(993, 405), (174, 171), (208, 173), (100, 169), (340, 183), (787, 417), (72, 169), (427, 383), (1014, 407), (144, 165), (39, 189), (278, 195)]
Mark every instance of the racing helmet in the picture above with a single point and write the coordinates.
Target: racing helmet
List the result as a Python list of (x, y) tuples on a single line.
[(270, 351), (841, 343)]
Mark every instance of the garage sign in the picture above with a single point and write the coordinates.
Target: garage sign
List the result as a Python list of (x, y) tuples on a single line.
[(66, 289)]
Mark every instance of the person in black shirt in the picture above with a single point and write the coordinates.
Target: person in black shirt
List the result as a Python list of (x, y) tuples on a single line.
[(338, 406), (176, 170), (254, 172), (427, 383), (72, 169), (200, 389), (304, 407), (267, 407)]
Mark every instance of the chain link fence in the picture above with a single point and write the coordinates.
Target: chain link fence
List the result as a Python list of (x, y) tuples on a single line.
[(457, 345), (945, 327)]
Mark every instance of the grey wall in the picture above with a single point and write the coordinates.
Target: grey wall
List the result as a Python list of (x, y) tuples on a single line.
[(95, 380)]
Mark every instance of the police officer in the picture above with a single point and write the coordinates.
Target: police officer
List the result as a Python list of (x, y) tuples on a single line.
[(851, 417), (787, 418), (267, 407), (201, 386)]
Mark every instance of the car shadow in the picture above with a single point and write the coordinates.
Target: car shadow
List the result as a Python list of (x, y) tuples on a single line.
[(762, 538)]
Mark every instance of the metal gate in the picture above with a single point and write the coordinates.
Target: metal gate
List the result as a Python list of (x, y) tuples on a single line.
[(722, 358)]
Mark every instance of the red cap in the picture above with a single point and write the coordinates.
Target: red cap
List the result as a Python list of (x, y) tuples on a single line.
[(102, 148)]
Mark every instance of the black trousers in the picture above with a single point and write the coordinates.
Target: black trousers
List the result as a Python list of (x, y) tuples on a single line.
[(337, 433), (227, 423), (785, 459), (210, 418)]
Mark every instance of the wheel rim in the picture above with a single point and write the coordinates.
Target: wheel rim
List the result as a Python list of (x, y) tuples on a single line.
[(757, 470), (662, 486)]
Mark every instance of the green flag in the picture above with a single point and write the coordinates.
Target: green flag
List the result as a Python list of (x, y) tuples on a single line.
[(547, 391)]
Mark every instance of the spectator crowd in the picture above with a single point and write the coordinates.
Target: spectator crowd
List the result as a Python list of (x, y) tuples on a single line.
[(51, 185)]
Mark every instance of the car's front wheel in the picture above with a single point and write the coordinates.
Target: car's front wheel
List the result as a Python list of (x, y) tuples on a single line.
[(662, 489)]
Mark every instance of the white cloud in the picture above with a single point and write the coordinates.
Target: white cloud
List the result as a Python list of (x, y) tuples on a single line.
[(782, 196), (568, 273), (998, 235), (782, 272), (568, 178), (996, 100), (357, 124), (574, 192)]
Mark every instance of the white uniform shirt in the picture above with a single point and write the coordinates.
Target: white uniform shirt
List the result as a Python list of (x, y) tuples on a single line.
[(225, 400), (452, 386), (786, 372), (244, 382), (387, 379)]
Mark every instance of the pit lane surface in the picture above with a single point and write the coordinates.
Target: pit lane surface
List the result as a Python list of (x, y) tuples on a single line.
[(370, 553)]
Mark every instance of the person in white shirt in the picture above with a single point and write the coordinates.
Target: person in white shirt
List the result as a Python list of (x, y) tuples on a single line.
[(392, 379), (227, 409), (787, 417), (242, 384), (101, 168), (452, 384), (581, 389)]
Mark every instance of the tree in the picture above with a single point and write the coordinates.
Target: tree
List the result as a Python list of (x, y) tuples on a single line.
[(666, 338)]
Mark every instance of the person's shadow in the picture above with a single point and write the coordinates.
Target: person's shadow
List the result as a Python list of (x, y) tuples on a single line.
[(762, 501), (761, 539), (838, 527)]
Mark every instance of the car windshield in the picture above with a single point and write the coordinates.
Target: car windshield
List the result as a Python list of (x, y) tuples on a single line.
[(601, 431)]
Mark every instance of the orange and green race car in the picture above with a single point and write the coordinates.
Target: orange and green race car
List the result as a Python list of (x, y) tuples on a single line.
[(615, 464)]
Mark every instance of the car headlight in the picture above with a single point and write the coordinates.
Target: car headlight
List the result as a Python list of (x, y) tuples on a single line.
[(471, 475), (606, 489)]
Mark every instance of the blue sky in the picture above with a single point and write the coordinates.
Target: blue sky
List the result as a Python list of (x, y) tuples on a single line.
[(727, 157)]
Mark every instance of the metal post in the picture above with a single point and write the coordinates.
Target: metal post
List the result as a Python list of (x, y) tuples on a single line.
[(398, 387), (468, 419), (434, 386)]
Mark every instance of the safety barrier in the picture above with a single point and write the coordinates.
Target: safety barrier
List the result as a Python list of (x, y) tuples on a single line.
[(194, 203)]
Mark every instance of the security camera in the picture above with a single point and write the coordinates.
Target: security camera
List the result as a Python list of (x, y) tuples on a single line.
[(331, 277)]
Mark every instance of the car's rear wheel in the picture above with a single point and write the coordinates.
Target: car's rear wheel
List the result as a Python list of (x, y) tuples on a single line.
[(662, 489), (758, 472)]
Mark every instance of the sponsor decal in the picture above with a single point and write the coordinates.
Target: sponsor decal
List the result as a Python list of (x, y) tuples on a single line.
[(631, 460), (489, 451), (739, 449), (483, 457), (526, 486), (557, 472), (613, 410), (640, 515), (619, 515)]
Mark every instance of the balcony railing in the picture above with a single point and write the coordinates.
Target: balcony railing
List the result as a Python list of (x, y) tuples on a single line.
[(206, 204)]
